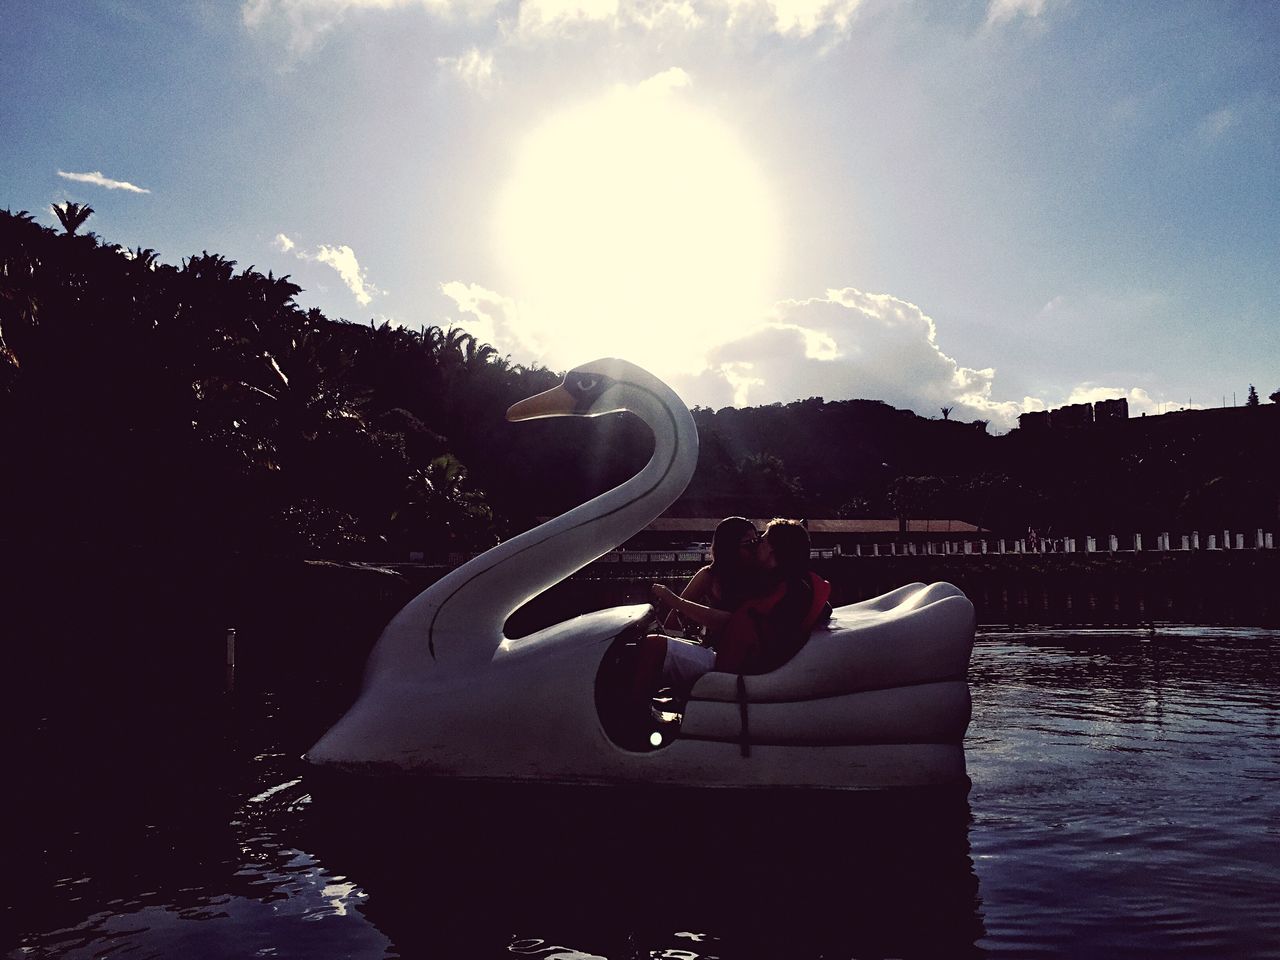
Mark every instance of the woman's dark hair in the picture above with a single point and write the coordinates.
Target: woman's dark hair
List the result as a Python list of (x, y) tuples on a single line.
[(733, 569), (790, 542)]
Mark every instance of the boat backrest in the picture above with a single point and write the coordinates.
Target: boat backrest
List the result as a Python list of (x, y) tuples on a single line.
[(923, 637)]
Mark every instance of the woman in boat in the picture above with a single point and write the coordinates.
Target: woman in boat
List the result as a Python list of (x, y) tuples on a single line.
[(707, 603), (732, 576)]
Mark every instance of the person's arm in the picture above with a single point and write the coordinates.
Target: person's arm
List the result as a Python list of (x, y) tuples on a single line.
[(695, 591), (697, 612)]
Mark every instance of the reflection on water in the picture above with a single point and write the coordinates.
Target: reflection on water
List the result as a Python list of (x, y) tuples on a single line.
[(144, 830), (1124, 803), (1125, 791), (626, 873)]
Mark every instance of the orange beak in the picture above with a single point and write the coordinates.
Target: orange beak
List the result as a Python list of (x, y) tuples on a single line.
[(556, 402)]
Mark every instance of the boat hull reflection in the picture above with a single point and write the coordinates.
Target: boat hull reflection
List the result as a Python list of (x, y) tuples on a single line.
[(479, 869)]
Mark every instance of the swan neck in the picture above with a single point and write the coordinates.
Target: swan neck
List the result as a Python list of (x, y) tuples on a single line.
[(458, 622)]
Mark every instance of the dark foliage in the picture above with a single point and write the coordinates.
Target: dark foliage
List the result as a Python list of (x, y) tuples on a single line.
[(863, 458), (199, 408)]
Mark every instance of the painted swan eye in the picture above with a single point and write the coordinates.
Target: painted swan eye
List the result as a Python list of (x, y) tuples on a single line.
[(586, 388)]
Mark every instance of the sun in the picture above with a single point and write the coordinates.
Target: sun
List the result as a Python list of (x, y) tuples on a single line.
[(637, 226)]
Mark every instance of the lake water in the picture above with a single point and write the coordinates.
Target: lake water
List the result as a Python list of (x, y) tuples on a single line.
[(1124, 804)]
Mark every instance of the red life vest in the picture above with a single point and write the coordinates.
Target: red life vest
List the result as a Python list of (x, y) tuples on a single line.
[(753, 642)]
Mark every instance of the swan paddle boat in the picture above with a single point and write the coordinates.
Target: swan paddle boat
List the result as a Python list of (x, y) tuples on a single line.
[(877, 698)]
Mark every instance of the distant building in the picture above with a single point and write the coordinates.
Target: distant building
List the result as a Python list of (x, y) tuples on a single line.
[(1074, 416), (1105, 410), (1034, 421)]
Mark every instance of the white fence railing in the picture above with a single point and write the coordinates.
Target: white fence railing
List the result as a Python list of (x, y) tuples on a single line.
[(690, 556), (1258, 539)]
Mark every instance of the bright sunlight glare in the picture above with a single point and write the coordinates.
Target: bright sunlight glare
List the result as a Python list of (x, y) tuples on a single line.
[(637, 226)]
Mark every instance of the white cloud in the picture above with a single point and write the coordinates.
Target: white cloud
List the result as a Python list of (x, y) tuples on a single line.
[(1000, 11), (846, 345), (494, 319), (304, 25), (1140, 400), (542, 20), (851, 344), (542, 17), (1092, 393), (669, 15), (98, 179), (789, 18), (795, 18), (473, 68), (673, 78), (343, 260), (741, 378)]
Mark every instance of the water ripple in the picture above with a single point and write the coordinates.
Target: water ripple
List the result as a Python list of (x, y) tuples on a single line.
[(1124, 804)]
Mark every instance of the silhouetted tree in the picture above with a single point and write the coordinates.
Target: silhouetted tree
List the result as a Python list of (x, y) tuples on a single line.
[(914, 497), (1233, 501), (764, 485), (854, 509), (145, 258), (72, 215), (441, 513), (1252, 399), (1274, 396)]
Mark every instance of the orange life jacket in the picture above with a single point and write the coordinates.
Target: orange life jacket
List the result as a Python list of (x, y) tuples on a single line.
[(753, 642)]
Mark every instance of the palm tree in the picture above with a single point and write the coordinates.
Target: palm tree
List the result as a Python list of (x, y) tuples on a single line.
[(143, 257), (441, 512), (72, 215), (477, 354), (269, 371), (209, 266)]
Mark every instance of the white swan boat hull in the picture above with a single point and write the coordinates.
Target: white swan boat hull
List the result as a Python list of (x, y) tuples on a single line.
[(845, 713), (877, 699)]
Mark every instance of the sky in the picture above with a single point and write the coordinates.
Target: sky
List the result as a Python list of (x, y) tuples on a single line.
[(993, 206)]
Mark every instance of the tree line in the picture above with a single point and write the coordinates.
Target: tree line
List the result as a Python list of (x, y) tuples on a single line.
[(198, 407)]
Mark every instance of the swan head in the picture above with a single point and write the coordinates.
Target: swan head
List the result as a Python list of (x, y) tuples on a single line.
[(589, 390)]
